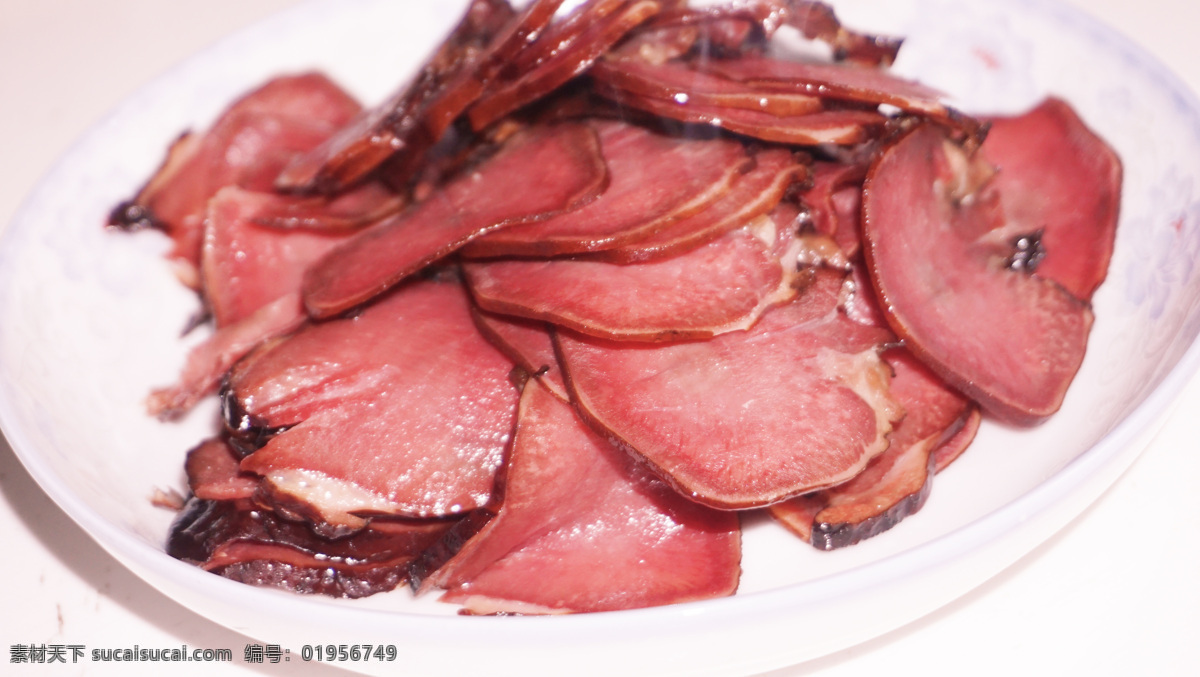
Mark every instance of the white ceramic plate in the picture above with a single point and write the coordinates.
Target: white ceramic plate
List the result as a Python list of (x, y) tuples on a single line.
[(89, 322)]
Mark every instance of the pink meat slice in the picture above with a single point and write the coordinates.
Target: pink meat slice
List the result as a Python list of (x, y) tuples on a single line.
[(1061, 184), (719, 287), (570, 47), (214, 473), (842, 127), (245, 265), (655, 180), (1009, 340), (404, 409), (799, 402), (208, 362), (247, 146), (242, 541), (834, 200), (837, 81), (678, 83), (398, 126), (346, 211), (752, 196), (895, 484), (536, 174), (582, 527), (527, 343)]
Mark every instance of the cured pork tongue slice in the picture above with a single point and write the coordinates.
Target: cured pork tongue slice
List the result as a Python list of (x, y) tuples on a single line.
[(655, 180), (251, 277), (722, 286), (568, 49), (247, 146), (208, 362), (834, 201), (246, 543), (527, 343), (746, 25), (842, 127), (870, 86), (404, 409), (214, 473), (1060, 188), (582, 527), (895, 484), (401, 124), (799, 402), (1008, 339), (753, 195), (678, 83), (537, 173), (246, 265)]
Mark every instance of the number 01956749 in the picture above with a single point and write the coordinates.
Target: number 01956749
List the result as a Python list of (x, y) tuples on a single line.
[(348, 652)]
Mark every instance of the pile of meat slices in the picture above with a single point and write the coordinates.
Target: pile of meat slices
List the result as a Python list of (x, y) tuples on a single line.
[(541, 327)]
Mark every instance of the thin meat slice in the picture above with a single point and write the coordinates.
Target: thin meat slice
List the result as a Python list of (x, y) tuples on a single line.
[(727, 27), (214, 474), (1060, 188), (247, 146), (846, 83), (527, 343), (678, 83), (346, 211), (536, 174), (582, 527), (568, 49), (754, 195), (799, 402), (1008, 339), (209, 361), (245, 265), (399, 124), (243, 542), (722, 286), (655, 180), (404, 409), (843, 127), (834, 201), (896, 483)]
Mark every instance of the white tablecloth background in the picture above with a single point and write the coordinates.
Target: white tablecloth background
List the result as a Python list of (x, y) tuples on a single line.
[(1115, 593)]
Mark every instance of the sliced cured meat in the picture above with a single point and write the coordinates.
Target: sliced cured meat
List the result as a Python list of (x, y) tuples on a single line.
[(845, 127), (840, 82), (563, 54), (719, 287), (895, 484), (954, 447), (404, 409), (814, 20), (346, 211), (246, 147), (719, 418), (582, 527), (245, 265), (655, 180), (751, 196), (243, 542), (1008, 339), (675, 82), (1060, 187), (527, 343), (398, 125), (214, 473), (208, 362), (534, 175), (834, 201)]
